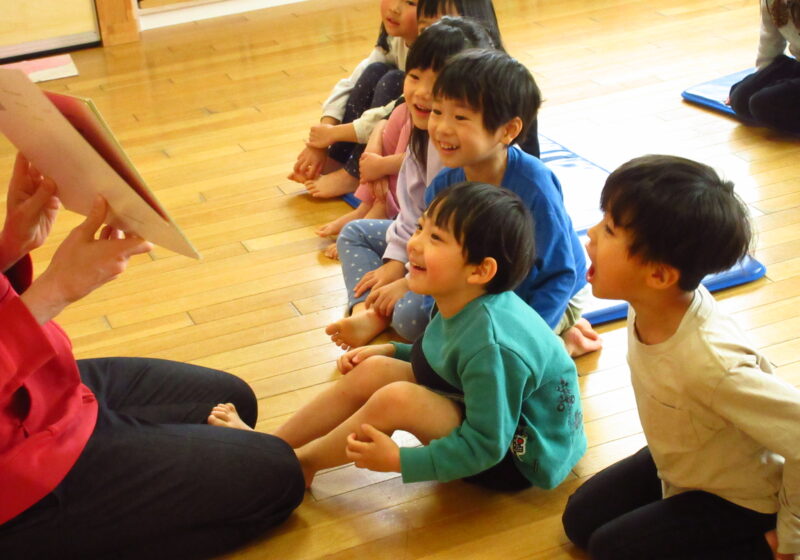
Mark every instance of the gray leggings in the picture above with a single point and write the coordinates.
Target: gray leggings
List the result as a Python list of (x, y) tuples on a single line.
[(361, 245)]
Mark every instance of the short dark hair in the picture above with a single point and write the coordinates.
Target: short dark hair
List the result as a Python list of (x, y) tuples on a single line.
[(440, 41), (492, 222), (448, 36), (492, 82), (678, 212), (479, 10)]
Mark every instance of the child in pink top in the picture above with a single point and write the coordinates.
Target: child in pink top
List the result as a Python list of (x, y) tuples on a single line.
[(379, 166)]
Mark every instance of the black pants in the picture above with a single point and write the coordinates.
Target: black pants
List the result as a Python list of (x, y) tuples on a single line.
[(770, 96), (379, 84), (619, 514), (155, 481)]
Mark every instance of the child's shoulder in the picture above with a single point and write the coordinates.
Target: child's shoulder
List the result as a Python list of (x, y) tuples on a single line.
[(515, 324), (525, 168), (708, 347)]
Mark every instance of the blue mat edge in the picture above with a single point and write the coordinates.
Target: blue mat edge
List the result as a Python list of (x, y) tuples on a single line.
[(695, 94), (710, 103)]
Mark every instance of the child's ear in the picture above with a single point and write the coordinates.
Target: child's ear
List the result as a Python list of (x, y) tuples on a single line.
[(662, 276), (510, 131), (483, 272)]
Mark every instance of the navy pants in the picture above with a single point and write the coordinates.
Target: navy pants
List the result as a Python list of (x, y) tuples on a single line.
[(379, 84), (619, 514), (769, 97), (154, 480)]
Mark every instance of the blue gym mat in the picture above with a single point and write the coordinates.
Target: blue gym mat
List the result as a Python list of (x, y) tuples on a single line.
[(714, 93), (582, 182)]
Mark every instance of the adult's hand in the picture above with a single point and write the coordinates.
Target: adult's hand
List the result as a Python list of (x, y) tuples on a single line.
[(31, 209), (82, 263)]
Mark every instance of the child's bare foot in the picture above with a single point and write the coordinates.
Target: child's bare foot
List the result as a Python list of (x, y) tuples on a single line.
[(332, 252), (358, 329), (581, 339), (333, 184), (297, 177), (225, 415), (334, 227)]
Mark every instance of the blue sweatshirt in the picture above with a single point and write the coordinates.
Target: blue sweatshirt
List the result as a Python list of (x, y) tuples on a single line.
[(559, 270)]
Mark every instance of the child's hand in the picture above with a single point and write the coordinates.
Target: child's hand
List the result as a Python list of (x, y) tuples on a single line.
[(772, 541), (320, 136), (384, 299), (370, 166), (352, 358), (376, 452), (386, 273), (309, 163), (380, 188)]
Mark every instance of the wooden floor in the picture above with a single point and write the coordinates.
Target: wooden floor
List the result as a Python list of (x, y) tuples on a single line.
[(213, 114)]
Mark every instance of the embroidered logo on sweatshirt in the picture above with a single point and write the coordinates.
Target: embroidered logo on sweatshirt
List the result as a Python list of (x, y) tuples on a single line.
[(567, 399), (519, 443)]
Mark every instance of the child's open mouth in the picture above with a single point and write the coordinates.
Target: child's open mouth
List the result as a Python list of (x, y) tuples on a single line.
[(590, 273), (423, 111), (447, 147)]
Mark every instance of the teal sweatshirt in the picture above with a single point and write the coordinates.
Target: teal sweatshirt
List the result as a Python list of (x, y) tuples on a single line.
[(520, 390)]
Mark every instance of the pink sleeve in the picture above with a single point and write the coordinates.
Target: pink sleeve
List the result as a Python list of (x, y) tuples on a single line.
[(392, 134)]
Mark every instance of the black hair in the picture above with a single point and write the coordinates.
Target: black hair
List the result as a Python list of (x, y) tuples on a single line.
[(479, 10), (492, 82), (678, 212), (491, 222), (440, 41)]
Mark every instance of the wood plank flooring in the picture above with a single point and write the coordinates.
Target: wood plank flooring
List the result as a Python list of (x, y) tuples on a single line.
[(213, 114)]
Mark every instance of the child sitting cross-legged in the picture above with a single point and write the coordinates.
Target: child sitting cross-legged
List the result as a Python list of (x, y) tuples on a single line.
[(721, 469), (488, 388)]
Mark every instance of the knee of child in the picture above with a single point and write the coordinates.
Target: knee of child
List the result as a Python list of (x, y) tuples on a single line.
[(394, 397), (767, 109), (409, 318), (349, 235)]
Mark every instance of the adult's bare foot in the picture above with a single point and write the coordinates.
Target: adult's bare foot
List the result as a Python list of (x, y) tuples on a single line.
[(333, 184), (225, 415), (581, 339), (358, 329)]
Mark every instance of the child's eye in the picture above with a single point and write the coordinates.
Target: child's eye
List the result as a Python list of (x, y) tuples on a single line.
[(418, 227), (412, 76), (462, 118), (436, 237), (436, 111), (609, 231)]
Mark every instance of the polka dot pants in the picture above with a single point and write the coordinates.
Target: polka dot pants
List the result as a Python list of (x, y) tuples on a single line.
[(361, 245)]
